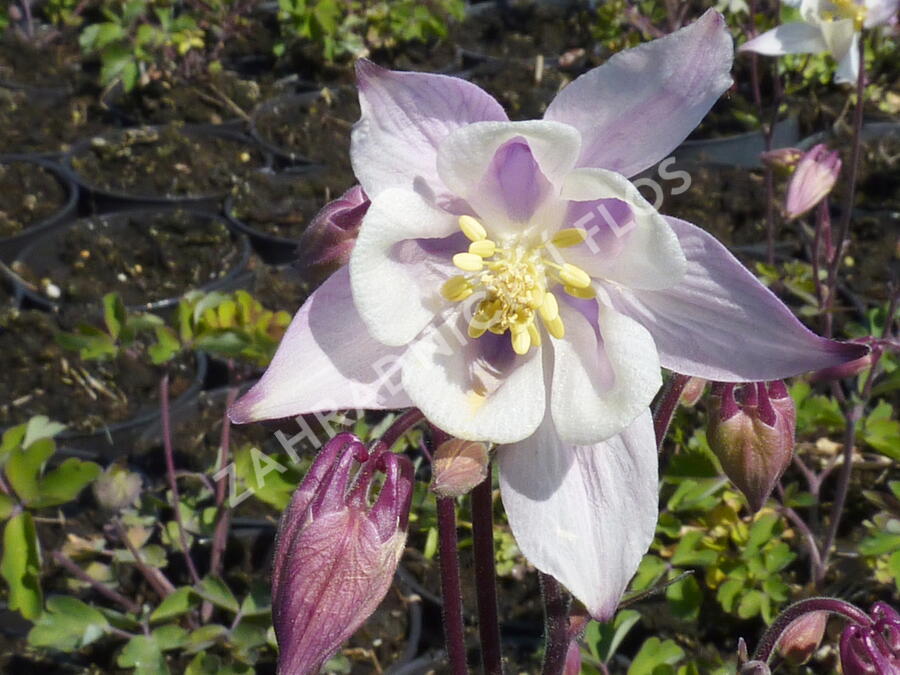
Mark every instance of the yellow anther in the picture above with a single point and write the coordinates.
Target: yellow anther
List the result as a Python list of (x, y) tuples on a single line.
[(583, 293), (521, 339), (468, 262), (571, 236), (556, 328), (472, 228), (484, 248), (535, 334), (550, 307), (537, 297), (457, 288), (572, 275), (476, 330)]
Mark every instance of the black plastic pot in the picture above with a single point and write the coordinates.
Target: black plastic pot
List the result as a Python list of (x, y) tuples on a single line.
[(40, 255), (10, 246), (118, 439), (103, 200)]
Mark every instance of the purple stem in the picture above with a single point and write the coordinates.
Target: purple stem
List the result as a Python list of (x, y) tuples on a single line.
[(769, 641), (401, 425), (157, 580), (170, 473), (667, 404), (556, 625), (847, 214), (451, 590), (129, 605), (223, 522), (485, 576)]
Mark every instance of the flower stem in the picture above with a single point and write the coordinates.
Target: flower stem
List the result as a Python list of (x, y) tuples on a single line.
[(556, 625), (667, 404), (847, 213), (769, 641), (486, 576), (223, 515), (127, 604), (451, 592), (401, 425)]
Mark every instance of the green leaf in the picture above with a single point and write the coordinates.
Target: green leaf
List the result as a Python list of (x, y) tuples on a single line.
[(12, 438), (690, 552), (654, 653), (144, 655), (685, 598), (114, 315), (166, 347), (64, 483), (67, 625), (604, 638), (217, 592), (258, 602), (169, 637), (181, 601), (649, 572), (7, 506), (24, 465), (204, 637), (40, 427), (210, 664), (21, 565)]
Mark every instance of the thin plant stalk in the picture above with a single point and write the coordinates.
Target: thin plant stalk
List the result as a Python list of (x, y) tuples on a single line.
[(128, 605), (170, 473), (223, 520), (667, 404), (451, 591), (486, 576), (401, 425), (154, 576), (556, 625)]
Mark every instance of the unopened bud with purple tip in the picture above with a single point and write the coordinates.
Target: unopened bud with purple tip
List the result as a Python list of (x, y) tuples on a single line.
[(872, 649), (326, 244), (336, 552), (458, 467), (802, 638), (813, 179), (751, 431)]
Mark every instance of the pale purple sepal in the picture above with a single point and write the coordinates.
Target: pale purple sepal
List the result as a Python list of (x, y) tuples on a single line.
[(336, 553), (585, 515), (326, 361), (637, 107), (404, 118), (720, 323)]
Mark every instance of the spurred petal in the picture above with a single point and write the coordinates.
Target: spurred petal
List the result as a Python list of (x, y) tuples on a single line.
[(848, 64), (585, 515), (404, 118), (605, 373), (326, 361), (637, 107), (468, 163), (475, 389), (395, 275), (720, 323), (797, 37), (649, 255)]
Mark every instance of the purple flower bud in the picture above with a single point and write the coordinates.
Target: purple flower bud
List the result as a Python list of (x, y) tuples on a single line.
[(801, 639), (784, 159), (326, 244), (751, 430), (755, 668), (692, 392), (814, 178), (336, 553), (458, 467)]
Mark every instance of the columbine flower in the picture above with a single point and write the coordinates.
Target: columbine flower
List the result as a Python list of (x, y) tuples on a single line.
[(751, 430), (336, 555), (813, 179), (526, 294), (827, 26), (872, 649)]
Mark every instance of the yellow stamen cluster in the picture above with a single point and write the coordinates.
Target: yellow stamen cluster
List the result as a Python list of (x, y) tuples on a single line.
[(514, 279), (847, 9)]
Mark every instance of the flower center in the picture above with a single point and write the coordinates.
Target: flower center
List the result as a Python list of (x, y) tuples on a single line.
[(514, 280), (846, 9)]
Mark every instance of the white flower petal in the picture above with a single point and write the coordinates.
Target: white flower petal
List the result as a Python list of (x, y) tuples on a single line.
[(396, 280), (605, 373), (477, 390), (650, 256), (585, 515), (796, 37), (848, 64)]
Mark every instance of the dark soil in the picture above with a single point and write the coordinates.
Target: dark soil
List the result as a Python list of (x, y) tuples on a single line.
[(144, 257), (279, 288), (38, 65), (41, 378), (317, 131), (280, 204), (46, 123), (29, 193), (523, 89), (879, 173), (167, 162), (212, 99)]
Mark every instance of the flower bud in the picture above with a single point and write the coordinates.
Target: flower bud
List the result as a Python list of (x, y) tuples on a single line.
[(801, 639), (692, 392), (117, 488), (814, 178), (326, 244), (458, 467), (336, 553), (751, 431), (573, 659), (782, 159), (755, 668)]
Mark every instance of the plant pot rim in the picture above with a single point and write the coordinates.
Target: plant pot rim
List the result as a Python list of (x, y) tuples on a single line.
[(23, 292), (198, 130), (64, 212)]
